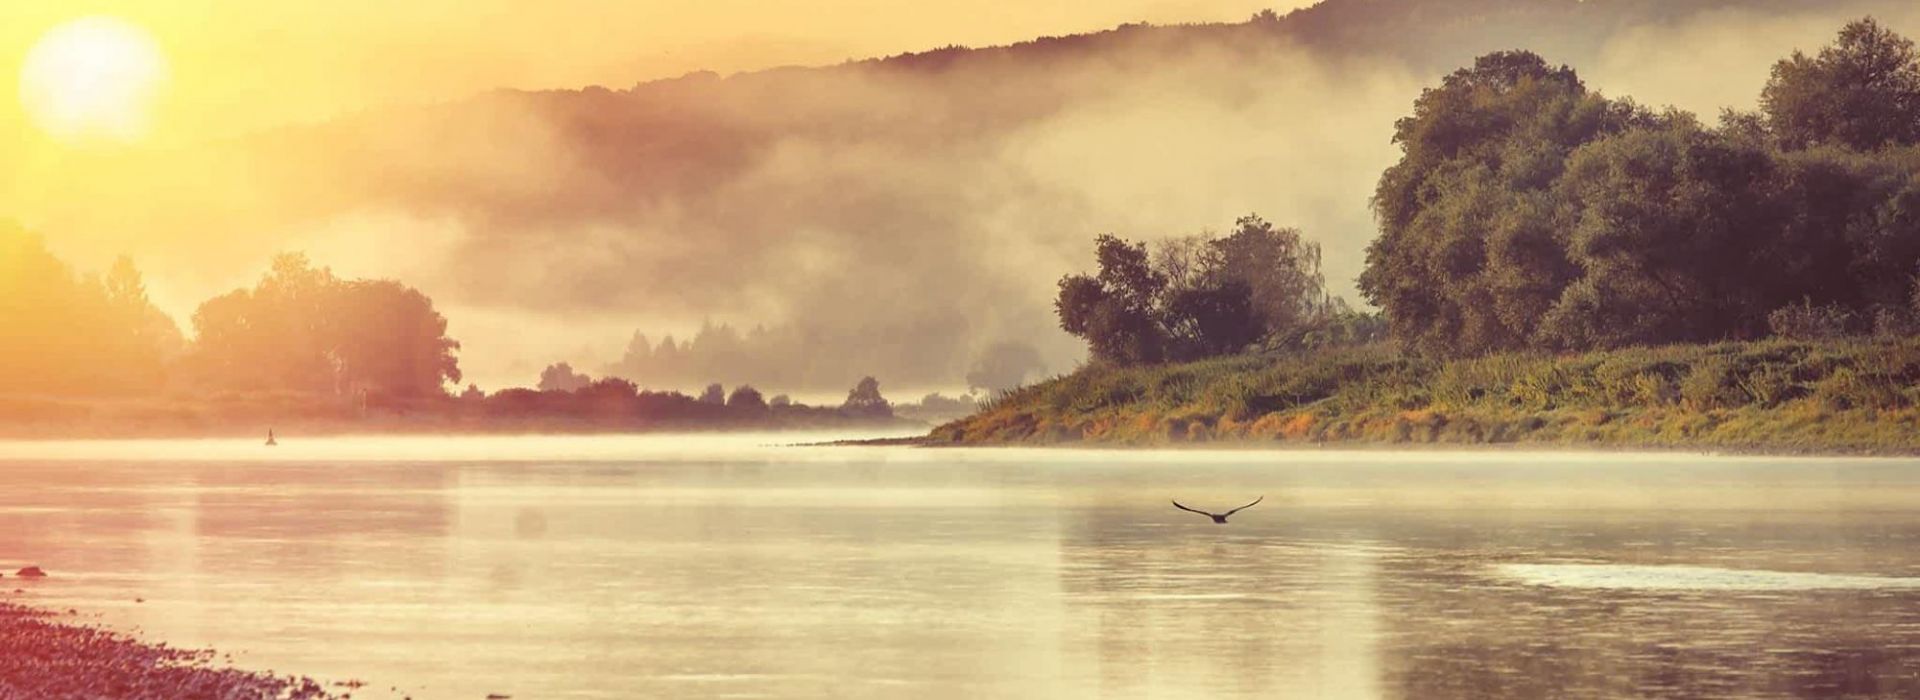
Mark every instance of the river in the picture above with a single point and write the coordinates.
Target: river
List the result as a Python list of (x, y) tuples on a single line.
[(742, 566)]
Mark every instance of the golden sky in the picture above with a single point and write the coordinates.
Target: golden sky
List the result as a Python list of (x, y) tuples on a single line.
[(238, 66)]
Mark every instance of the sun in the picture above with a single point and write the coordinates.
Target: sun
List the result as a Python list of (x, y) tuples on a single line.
[(93, 79)]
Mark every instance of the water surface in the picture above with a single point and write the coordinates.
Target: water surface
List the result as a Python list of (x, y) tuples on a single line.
[(731, 566)]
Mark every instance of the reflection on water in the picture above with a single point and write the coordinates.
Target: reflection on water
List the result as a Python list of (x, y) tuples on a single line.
[(1699, 578), (731, 567)]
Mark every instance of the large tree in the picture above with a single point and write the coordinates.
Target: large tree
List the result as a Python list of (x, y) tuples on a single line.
[(1466, 260), (1861, 92), (1114, 308), (303, 329)]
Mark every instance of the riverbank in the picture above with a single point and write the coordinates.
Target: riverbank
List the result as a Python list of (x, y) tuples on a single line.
[(1855, 396), (47, 656)]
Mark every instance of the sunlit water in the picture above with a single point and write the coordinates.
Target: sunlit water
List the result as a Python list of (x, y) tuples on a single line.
[(731, 566)]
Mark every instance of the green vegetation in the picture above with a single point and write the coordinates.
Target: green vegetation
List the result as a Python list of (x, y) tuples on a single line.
[(1777, 395), (1555, 267), (1528, 212)]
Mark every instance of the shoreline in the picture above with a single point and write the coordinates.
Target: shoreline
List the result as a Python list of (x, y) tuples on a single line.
[(50, 656), (1255, 445)]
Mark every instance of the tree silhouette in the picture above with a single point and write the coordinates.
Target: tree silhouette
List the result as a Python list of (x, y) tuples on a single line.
[(561, 377), (746, 399), (865, 400)]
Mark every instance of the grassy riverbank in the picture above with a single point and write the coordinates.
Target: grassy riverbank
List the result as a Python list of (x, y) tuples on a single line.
[(1856, 395)]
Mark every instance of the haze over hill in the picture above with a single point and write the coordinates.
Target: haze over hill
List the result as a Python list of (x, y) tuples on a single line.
[(890, 217)]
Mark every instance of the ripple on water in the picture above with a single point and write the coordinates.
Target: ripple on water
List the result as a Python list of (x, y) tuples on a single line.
[(1694, 578)]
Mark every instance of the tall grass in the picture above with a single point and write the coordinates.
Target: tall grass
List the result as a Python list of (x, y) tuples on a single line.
[(1853, 394)]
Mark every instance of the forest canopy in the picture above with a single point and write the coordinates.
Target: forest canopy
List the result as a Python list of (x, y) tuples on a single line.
[(1527, 212)]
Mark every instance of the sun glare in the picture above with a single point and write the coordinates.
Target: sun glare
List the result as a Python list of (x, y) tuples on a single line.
[(92, 79)]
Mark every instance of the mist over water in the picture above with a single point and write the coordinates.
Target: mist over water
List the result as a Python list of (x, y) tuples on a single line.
[(709, 566)]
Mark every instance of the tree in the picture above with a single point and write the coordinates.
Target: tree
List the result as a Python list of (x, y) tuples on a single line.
[(865, 400), (561, 377), (1660, 216), (1861, 92), (746, 399), (1280, 268), (386, 337), (1194, 296), (715, 395), (1114, 310), (73, 335), (303, 329), (1217, 319), (1467, 257)]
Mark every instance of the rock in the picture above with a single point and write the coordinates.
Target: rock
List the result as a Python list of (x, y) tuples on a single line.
[(31, 572)]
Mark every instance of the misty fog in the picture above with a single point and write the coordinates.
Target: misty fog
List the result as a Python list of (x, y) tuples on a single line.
[(889, 218)]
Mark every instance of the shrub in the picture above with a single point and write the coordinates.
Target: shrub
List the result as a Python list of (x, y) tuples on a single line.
[(1846, 388), (1711, 385), (1766, 386), (1893, 322), (1804, 321)]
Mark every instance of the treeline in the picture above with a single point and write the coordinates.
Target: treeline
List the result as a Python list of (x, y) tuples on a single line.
[(299, 330), (1528, 212), (68, 334), (301, 346), (802, 358), (564, 394)]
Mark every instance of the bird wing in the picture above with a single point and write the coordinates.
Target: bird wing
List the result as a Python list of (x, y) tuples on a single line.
[(1249, 505), (1176, 504)]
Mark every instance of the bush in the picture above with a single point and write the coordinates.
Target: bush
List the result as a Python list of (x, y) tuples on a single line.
[(1893, 322), (1804, 321), (1846, 388), (1767, 385), (1711, 385)]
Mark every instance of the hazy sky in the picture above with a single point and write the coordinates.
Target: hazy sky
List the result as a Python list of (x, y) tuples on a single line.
[(243, 65)]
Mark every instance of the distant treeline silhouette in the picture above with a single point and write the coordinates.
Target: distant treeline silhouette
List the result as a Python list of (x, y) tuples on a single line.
[(66, 334), (303, 343), (565, 394), (796, 357)]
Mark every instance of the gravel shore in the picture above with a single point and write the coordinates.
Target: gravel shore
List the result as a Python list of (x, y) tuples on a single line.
[(43, 657)]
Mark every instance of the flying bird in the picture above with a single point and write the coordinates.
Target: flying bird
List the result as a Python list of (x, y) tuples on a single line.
[(1220, 518)]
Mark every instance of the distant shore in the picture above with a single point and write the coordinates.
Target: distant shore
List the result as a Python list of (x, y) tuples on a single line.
[(48, 657), (81, 419)]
